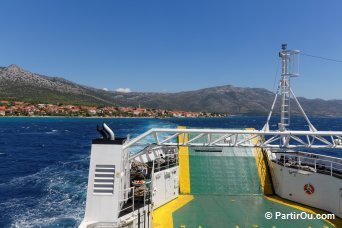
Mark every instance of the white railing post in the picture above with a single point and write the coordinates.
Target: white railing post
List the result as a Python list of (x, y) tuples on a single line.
[(133, 198)]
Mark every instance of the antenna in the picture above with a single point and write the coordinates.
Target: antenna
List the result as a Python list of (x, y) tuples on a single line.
[(290, 68)]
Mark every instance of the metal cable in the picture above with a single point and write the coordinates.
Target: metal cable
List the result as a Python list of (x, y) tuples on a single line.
[(276, 76), (319, 57)]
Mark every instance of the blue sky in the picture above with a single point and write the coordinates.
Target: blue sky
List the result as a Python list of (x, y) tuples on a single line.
[(171, 45)]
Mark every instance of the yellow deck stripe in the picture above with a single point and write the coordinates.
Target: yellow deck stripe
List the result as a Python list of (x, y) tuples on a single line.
[(184, 169), (162, 216), (337, 222), (262, 168)]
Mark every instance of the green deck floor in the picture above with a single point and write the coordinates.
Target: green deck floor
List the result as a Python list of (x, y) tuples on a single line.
[(227, 193), (232, 211)]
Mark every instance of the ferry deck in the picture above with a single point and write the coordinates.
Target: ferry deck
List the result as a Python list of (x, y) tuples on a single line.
[(228, 187)]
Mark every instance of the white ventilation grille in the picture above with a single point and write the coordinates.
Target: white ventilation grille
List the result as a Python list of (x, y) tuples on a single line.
[(104, 179)]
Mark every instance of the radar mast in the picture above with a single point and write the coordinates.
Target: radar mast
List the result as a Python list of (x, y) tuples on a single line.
[(289, 60)]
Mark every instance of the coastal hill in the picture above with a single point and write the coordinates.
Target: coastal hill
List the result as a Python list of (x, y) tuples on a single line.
[(21, 85)]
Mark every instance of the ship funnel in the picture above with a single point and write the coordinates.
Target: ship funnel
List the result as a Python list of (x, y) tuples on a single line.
[(106, 132), (109, 132), (102, 132)]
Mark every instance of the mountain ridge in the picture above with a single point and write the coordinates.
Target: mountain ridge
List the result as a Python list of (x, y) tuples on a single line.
[(19, 84)]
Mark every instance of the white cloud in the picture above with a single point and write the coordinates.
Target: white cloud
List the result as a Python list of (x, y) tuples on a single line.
[(123, 90), (105, 89)]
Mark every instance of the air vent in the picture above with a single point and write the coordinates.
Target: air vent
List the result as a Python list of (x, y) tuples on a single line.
[(104, 179)]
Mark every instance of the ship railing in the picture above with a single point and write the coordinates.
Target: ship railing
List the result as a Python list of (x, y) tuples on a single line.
[(135, 197), (165, 162), (127, 202), (320, 156), (309, 162)]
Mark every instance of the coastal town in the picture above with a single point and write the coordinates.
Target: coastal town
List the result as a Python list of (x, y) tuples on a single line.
[(20, 108)]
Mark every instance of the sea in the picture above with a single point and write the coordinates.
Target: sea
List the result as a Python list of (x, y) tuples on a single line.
[(44, 160)]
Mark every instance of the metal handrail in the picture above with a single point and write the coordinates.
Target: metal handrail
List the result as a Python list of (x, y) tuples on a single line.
[(125, 199), (321, 155), (176, 162), (314, 162)]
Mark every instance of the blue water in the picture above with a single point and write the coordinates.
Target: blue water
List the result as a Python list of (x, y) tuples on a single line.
[(44, 161)]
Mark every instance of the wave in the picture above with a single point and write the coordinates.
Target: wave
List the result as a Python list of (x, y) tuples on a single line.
[(54, 196)]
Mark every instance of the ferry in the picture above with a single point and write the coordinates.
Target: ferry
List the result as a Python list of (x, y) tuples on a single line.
[(201, 178)]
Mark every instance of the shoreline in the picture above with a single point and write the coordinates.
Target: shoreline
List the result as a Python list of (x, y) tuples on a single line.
[(117, 117)]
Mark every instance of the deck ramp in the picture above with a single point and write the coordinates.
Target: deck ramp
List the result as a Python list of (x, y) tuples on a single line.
[(223, 187), (230, 172)]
